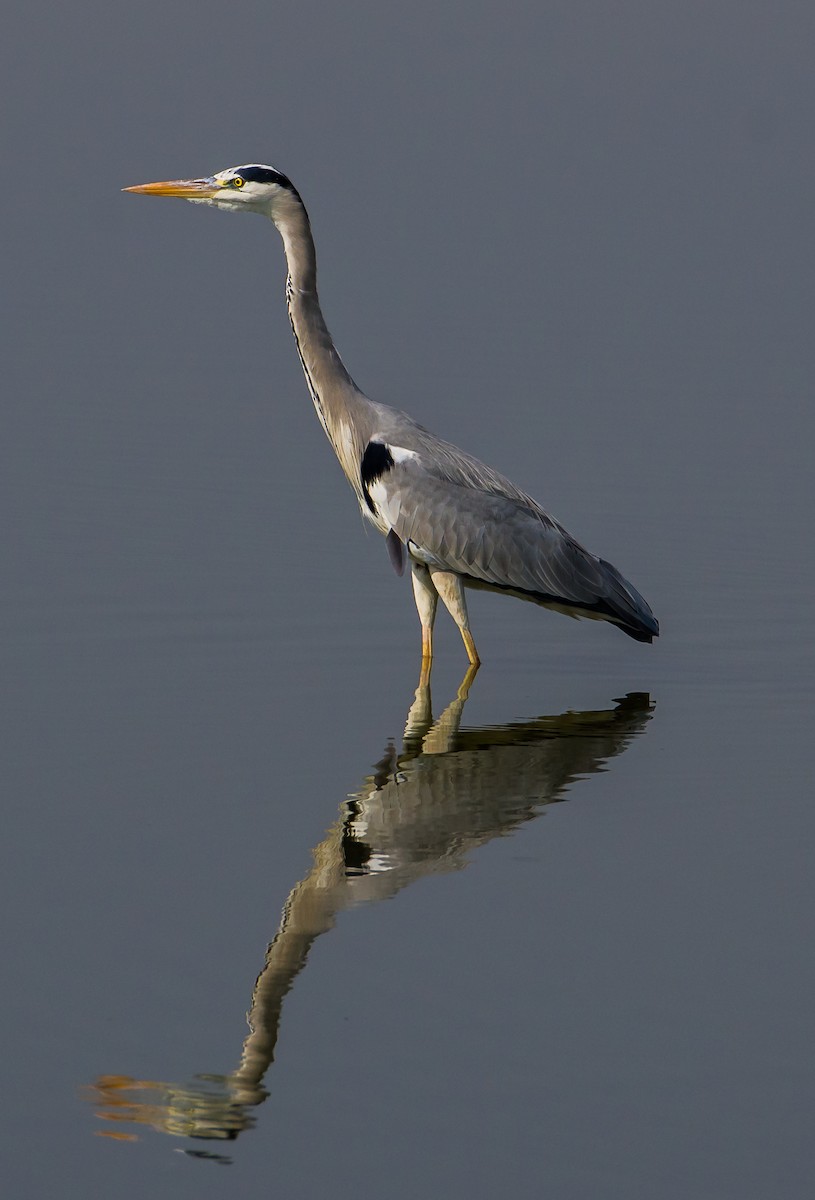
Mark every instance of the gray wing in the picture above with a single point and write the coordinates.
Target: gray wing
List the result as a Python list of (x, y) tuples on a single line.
[(454, 513)]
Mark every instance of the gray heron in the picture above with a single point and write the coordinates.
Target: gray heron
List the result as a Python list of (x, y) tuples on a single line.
[(456, 521)]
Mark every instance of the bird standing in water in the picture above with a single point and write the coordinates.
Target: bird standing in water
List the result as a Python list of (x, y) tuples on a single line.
[(456, 521)]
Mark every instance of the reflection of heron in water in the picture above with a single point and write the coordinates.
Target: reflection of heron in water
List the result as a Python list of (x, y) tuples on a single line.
[(420, 813)]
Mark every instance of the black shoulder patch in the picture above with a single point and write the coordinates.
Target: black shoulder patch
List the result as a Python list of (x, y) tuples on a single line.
[(376, 460)]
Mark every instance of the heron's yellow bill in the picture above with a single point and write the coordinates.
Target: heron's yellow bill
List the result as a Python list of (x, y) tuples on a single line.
[(187, 189)]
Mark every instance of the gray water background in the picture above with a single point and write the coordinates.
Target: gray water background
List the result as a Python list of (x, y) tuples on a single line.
[(576, 238)]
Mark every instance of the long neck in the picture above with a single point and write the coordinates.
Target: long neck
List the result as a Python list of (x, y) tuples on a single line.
[(343, 410)]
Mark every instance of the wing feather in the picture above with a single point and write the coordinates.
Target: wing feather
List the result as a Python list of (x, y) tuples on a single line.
[(458, 515)]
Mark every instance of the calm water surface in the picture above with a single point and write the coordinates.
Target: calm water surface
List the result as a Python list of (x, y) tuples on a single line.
[(279, 921), (280, 911)]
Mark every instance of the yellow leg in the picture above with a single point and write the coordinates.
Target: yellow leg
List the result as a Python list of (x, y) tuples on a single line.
[(469, 645), (426, 598), (451, 590), (466, 683)]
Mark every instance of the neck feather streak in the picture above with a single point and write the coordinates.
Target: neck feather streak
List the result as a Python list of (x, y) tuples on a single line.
[(344, 412)]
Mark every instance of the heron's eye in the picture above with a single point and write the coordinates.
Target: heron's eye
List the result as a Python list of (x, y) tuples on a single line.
[(237, 182)]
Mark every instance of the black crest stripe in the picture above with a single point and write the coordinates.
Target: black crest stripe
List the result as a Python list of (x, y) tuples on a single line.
[(254, 173)]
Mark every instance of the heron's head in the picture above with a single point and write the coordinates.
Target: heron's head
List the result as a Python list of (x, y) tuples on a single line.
[(251, 188)]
